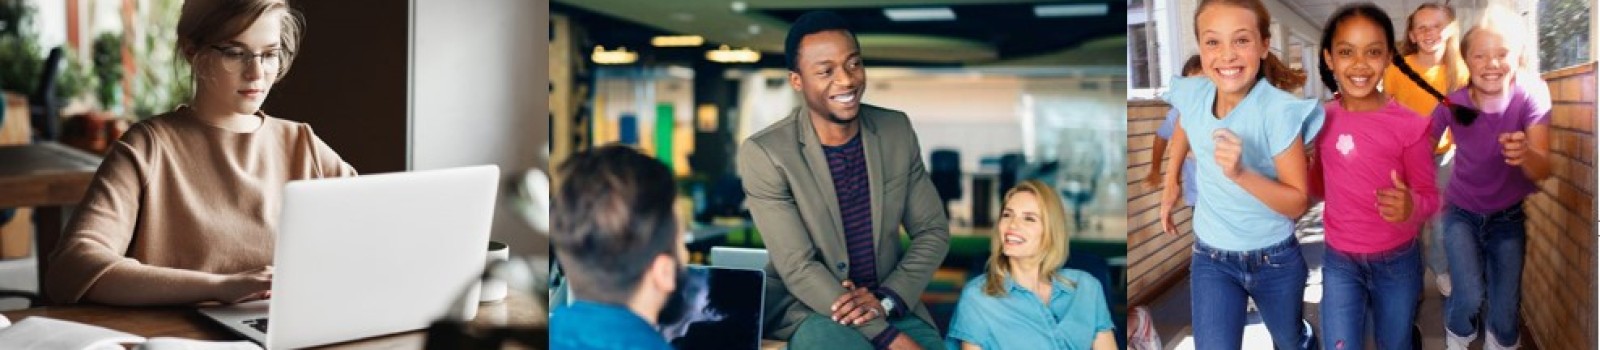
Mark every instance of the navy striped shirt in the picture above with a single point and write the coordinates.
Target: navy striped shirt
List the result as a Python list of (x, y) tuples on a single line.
[(848, 164)]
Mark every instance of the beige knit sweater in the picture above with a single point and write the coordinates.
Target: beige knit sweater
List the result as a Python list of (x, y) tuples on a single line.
[(176, 192)]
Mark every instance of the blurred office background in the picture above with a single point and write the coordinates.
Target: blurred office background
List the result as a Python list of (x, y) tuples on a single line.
[(998, 91)]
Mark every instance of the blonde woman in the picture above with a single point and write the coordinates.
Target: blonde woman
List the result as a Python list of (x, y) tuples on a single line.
[(1027, 300), (183, 207)]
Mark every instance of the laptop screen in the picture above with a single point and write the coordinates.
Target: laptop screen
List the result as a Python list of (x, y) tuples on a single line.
[(722, 309)]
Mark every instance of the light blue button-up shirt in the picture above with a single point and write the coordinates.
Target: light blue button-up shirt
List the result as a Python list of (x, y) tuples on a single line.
[(1019, 320), (1266, 121)]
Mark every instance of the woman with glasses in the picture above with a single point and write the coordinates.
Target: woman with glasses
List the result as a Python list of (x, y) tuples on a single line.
[(183, 207)]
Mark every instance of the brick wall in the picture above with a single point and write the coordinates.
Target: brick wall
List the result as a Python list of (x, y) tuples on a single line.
[(1558, 280), (1155, 260)]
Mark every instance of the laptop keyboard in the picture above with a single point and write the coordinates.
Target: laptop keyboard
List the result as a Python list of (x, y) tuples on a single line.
[(259, 324)]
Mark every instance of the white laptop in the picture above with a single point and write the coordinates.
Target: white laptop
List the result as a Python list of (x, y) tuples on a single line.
[(742, 258), (371, 255)]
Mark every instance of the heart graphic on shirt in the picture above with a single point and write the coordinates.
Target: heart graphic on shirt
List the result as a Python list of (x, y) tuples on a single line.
[(1346, 144)]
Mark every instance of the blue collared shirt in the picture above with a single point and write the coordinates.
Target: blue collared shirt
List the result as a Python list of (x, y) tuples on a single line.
[(1019, 320), (591, 325)]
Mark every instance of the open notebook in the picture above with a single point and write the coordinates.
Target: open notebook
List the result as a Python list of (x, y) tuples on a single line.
[(49, 333)]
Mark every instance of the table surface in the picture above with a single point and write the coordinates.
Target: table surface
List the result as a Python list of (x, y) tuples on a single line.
[(44, 174), (520, 310)]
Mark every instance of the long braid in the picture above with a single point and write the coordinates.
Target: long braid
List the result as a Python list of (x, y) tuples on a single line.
[(1463, 114)]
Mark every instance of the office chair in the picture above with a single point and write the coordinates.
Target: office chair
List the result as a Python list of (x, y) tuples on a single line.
[(43, 106), (944, 170), (1010, 172)]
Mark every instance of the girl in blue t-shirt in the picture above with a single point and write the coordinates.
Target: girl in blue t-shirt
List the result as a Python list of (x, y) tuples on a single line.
[(1251, 172)]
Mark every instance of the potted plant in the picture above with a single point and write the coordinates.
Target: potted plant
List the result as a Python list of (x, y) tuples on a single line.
[(108, 68)]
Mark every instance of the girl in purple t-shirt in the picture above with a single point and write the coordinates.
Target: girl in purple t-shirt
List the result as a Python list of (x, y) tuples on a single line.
[(1500, 153), (1376, 161)]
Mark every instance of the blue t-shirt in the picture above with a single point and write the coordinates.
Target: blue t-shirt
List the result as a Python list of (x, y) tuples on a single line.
[(1019, 320), (1169, 126), (591, 325), (1266, 121)]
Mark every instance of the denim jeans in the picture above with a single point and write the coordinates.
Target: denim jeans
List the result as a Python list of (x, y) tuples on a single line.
[(1384, 285), (1220, 280), (818, 332), (1485, 252), (1432, 232)]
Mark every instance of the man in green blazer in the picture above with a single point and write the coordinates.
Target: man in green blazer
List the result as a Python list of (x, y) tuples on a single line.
[(830, 187)]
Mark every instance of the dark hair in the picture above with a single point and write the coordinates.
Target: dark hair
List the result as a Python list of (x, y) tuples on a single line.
[(1192, 65), (613, 216), (811, 23), (1376, 15), (1274, 70)]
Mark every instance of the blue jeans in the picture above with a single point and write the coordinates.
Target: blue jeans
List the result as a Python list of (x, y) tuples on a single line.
[(1383, 285), (1433, 230), (1485, 252), (1220, 280)]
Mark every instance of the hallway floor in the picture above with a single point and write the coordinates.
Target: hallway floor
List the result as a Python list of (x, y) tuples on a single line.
[(1170, 311)]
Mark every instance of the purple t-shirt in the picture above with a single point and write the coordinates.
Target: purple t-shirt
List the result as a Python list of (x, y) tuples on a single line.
[(1481, 181)]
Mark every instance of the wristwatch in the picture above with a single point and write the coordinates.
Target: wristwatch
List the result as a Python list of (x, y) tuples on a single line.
[(886, 302)]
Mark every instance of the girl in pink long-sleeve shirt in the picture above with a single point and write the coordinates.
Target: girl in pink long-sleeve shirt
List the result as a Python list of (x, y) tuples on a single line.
[(1374, 159)]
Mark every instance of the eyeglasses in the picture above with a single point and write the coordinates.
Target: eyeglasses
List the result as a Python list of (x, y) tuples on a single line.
[(236, 59)]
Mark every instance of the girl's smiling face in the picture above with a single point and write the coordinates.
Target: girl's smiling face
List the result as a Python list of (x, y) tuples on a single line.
[(1431, 29), (1358, 56), (1231, 47), (1490, 61)]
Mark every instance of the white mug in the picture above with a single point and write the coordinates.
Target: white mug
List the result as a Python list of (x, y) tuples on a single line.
[(494, 288)]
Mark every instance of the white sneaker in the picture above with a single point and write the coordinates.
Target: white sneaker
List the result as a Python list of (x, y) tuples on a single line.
[(1456, 342), (1444, 284)]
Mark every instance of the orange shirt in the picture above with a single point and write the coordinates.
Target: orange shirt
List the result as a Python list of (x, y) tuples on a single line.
[(1413, 97)]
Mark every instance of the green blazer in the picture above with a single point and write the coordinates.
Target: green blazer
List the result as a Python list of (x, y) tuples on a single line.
[(790, 193)]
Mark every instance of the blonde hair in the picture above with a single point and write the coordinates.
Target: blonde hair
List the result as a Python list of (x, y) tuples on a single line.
[(1504, 21), (202, 23), (1453, 64), (1053, 245)]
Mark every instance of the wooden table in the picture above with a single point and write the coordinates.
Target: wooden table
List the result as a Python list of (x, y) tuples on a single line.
[(184, 322), (44, 174), (47, 176)]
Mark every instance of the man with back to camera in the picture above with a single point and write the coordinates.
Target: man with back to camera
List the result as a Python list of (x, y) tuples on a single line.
[(830, 187), (617, 238)]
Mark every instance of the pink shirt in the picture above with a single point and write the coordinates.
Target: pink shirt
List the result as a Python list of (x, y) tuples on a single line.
[(1356, 152)]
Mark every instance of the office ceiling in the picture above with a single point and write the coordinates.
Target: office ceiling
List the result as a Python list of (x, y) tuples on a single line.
[(983, 32)]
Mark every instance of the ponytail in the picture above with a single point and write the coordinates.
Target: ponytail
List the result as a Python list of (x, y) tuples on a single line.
[(1280, 75)]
